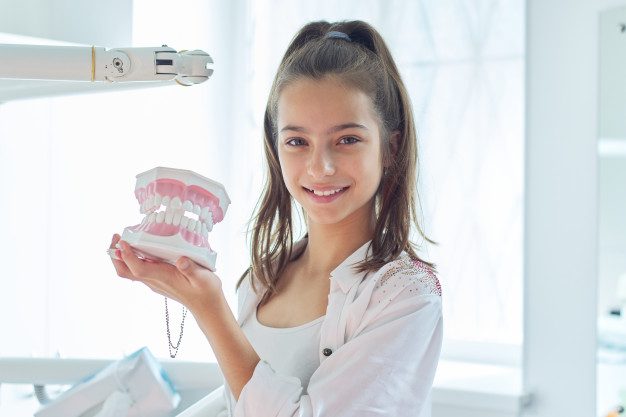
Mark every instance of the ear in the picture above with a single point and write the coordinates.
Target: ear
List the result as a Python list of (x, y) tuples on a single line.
[(394, 143)]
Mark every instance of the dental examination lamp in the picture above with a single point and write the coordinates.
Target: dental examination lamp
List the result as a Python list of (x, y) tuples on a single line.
[(91, 63)]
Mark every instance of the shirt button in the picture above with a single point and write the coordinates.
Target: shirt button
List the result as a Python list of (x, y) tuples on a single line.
[(327, 352)]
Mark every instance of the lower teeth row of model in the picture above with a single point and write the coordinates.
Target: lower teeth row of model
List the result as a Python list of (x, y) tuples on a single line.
[(178, 219)]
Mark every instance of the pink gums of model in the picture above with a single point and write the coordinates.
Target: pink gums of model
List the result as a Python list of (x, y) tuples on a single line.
[(180, 210)]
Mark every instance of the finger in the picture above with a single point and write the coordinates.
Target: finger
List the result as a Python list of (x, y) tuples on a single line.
[(190, 269), (159, 286), (186, 266), (120, 267), (116, 238), (128, 257), (122, 270), (143, 270)]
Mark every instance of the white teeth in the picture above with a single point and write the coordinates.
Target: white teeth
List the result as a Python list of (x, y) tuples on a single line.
[(149, 203), (177, 216), (176, 203), (184, 221), (174, 213), (209, 222), (325, 193)]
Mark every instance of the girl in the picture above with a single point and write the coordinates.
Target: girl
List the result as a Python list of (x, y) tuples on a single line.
[(346, 321)]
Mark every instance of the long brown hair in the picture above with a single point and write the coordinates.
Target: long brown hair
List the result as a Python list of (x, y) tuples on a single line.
[(365, 63)]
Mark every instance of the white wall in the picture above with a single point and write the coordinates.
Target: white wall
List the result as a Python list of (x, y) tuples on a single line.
[(103, 23), (67, 177)]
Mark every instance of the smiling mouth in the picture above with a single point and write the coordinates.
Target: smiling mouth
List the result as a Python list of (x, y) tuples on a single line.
[(326, 192)]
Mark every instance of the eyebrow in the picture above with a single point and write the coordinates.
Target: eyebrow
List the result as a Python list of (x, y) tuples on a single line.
[(334, 129)]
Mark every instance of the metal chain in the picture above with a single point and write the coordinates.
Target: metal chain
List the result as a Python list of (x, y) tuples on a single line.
[(174, 348)]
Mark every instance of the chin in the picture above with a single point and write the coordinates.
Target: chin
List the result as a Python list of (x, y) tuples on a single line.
[(323, 220), (329, 217)]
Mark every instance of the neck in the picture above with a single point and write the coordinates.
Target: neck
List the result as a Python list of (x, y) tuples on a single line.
[(330, 244)]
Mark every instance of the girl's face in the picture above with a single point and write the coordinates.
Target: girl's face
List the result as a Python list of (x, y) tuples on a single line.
[(329, 149)]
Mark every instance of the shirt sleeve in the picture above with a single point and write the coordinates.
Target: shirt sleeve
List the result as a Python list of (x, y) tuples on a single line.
[(386, 370)]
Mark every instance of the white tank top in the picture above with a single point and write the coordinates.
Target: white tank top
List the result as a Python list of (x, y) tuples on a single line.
[(291, 351)]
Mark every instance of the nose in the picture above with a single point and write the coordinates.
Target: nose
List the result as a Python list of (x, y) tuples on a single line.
[(320, 163)]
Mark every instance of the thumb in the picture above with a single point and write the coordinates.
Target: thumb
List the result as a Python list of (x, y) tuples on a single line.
[(186, 265)]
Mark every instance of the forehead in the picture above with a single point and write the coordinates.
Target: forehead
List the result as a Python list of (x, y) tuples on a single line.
[(317, 104)]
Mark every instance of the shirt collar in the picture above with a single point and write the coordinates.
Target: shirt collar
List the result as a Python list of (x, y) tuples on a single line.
[(344, 275)]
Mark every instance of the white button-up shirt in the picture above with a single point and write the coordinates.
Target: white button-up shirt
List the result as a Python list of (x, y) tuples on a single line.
[(379, 348)]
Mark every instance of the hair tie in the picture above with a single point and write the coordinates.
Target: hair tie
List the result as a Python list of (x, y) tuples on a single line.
[(333, 34)]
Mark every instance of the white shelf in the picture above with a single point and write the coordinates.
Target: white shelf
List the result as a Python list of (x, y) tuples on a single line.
[(470, 387), (479, 388), (192, 380)]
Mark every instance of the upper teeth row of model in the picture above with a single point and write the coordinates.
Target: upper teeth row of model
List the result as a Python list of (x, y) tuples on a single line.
[(155, 202), (322, 193)]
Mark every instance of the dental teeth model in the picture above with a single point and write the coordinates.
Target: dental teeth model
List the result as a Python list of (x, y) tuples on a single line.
[(180, 209)]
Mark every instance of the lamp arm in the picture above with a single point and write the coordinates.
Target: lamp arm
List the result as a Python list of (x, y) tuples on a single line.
[(91, 63)]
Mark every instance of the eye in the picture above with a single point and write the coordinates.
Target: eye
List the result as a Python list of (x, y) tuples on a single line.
[(296, 142), (349, 140)]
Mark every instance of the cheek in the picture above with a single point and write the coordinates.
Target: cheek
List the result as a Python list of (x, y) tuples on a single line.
[(371, 169), (287, 169)]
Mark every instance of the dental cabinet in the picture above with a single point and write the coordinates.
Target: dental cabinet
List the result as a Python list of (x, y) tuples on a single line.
[(611, 360)]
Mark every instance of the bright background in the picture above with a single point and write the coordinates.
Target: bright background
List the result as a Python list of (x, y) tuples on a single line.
[(67, 167)]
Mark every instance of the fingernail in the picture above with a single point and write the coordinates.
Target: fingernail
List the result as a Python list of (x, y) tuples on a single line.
[(184, 264)]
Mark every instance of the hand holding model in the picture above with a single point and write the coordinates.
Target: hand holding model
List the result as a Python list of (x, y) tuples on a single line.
[(169, 250), (185, 282)]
